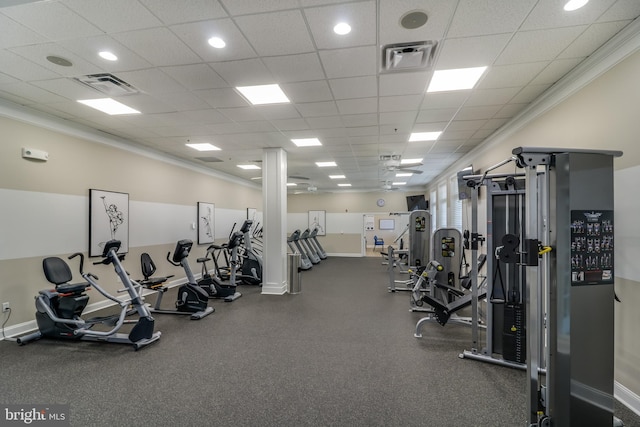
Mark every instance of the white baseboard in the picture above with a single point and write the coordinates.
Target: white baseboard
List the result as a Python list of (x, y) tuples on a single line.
[(349, 254), (627, 397), (274, 288)]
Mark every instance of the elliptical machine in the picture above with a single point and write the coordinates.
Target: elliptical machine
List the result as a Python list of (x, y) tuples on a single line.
[(192, 299), (251, 267), (59, 310), (211, 284)]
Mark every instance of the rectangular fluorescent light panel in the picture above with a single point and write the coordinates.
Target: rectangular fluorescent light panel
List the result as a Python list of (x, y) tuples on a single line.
[(249, 167), (263, 94), (109, 106), (205, 146), (402, 175), (410, 161), (424, 136), (455, 79), (291, 184), (326, 164), (399, 183), (344, 185), (337, 176), (306, 142)]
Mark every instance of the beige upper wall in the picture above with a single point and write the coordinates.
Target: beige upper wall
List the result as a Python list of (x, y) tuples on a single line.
[(75, 165), (350, 202)]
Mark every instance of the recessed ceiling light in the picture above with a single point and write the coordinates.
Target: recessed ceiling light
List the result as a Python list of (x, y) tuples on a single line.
[(256, 178), (109, 106), (263, 94), (205, 146), (344, 185), (424, 136), (455, 79), (572, 5), (306, 142), (337, 176), (326, 164), (249, 167), (291, 184), (399, 183), (216, 42), (410, 161), (404, 174), (109, 56), (342, 28)]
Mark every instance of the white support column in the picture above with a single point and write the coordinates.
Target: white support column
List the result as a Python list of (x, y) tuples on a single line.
[(274, 207)]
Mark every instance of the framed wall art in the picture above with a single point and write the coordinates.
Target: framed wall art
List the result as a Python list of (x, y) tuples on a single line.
[(206, 228), (108, 220)]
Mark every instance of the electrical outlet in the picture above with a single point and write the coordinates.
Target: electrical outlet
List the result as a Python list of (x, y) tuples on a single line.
[(5, 306)]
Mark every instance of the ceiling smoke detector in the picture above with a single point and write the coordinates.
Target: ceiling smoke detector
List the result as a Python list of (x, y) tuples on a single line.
[(408, 56), (107, 84)]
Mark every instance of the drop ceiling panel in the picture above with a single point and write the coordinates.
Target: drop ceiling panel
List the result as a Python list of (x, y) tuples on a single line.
[(404, 83), (307, 91), (173, 12), (351, 62), (357, 120), (400, 103), (555, 70), (195, 76), (359, 16), (109, 16), (20, 68), (88, 48), (541, 45), (38, 54), (266, 33), (549, 14), (512, 75), (436, 115), (14, 34), (31, 93), (243, 73), (222, 98), (491, 96), (529, 93), (354, 87), (316, 109), (474, 18), (159, 46), (471, 51), (53, 20), (151, 80), (196, 36), (243, 7), (594, 37), (357, 106), (67, 88), (295, 68)]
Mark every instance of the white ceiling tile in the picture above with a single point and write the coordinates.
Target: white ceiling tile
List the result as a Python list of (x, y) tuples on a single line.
[(88, 48), (278, 112), (358, 15), (477, 113), (151, 81), (222, 98), (68, 88), (509, 111), (110, 16), (391, 11), (354, 87), (397, 117), (14, 34), (436, 115), (357, 106), (491, 96), (173, 12), (357, 120), (159, 46), (38, 54), (621, 10), (4, 78), (242, 114), (33, 93), (277, 33), (445, 99), (52, 19), (363, 131), (400, 103), (403, 83), (324, 122), (529, 93), (201, 117), (290, 124), (307, 91), (473, 125), (295, 68), (555, 70), (594, 37), (245, 72), (471, 51), (316, 109), (196, 76), (243, 7), (549, 14), (474, 18), (23, 69), (182, 100), (428, 127), (499, 76), (351, 62), (542, 45), (144, 103), (196, 36)]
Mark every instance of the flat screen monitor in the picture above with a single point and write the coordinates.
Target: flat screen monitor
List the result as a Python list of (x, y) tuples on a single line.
[(417, 203)]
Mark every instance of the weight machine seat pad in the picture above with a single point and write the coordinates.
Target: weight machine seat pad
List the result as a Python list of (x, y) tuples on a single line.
[(456, 305)]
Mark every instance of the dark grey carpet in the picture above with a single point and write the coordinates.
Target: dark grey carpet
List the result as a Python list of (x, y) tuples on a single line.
[(341, 353)]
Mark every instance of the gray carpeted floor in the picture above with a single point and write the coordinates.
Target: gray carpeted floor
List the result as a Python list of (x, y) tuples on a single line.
[(341, 353)]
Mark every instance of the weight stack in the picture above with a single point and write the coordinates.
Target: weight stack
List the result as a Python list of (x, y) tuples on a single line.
[(514, 344)]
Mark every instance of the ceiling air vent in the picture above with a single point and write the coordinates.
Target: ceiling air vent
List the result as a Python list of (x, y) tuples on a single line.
[(414, 56), (107, 84)]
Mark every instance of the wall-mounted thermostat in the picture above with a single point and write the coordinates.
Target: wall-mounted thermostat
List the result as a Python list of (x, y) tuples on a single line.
[(30, 153)]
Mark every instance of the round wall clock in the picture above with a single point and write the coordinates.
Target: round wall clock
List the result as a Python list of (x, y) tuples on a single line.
[(380, 202)]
